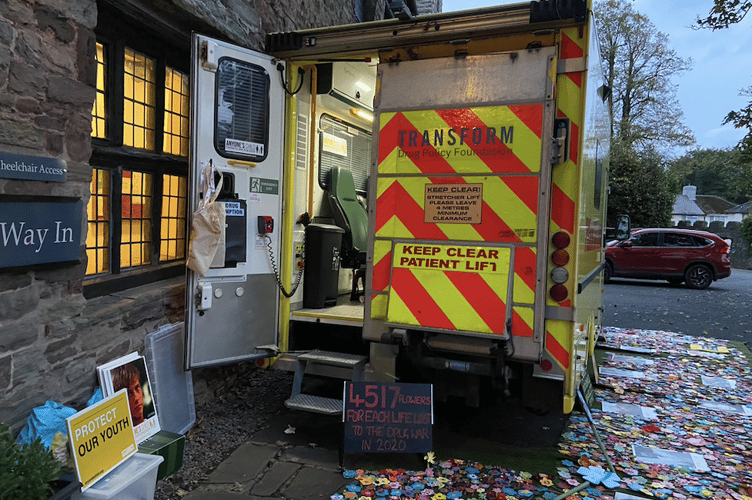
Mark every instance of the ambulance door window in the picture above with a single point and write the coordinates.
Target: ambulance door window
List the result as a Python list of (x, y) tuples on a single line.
[(242, 110)]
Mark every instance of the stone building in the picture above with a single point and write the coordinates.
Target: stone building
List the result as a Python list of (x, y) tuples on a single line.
[(93, 174)]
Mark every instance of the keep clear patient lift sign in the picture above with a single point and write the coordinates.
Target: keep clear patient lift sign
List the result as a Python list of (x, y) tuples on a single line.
[(101, 437)]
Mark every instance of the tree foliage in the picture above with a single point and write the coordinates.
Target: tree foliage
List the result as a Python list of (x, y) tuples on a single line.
[(723, 14), (639, 187), (719, 172), (639, 66), (743, 119), (747, 233)]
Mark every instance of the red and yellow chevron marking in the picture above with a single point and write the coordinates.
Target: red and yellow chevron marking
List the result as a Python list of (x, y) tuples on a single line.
[(382, 265), (379, 304), (525, 264), (565, 177), (452, 287), (522, 321), (508, 212), (498, 139), (558, 340)]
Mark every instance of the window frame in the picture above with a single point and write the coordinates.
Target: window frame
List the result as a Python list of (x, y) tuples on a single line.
[(116, 31), (324, 174)]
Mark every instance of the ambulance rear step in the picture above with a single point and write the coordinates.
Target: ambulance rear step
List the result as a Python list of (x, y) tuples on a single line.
[(313, 359)]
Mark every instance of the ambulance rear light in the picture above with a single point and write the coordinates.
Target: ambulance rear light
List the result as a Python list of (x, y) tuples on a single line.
[(559, 275), (558, 293), (560, 257), (546, 365), (561, 240)]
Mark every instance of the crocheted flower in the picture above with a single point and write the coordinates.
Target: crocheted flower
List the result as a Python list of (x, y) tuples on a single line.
[(596, 475)]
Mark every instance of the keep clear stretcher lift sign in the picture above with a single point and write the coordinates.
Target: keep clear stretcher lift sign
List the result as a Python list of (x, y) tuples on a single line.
[(388, 418), (101, 437)]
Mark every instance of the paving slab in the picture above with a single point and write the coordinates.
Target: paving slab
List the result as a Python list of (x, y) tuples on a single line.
[(215, 495), (277, 475), (311, 483), (321, 457), (244, 465)]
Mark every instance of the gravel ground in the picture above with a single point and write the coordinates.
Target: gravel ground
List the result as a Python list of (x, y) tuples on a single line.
[(223, 424)]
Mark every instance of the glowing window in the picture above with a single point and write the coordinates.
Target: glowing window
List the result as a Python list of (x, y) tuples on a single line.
[(136, 238), (176, 113), (98, 114), (173, 223), (139, 91), (98, 215)]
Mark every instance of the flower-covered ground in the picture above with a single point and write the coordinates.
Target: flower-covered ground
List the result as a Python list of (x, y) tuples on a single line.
[(675, 416)]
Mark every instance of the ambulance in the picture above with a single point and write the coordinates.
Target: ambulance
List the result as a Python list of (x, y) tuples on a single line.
[(416, 199)]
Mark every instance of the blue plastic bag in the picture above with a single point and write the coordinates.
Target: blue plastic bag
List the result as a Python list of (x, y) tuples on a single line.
[(95, 398), (44, 422)]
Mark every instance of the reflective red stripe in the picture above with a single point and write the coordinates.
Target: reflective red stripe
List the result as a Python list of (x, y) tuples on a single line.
[(396, 200), (526, 189), (525, 262), (381, 269), (562, 209), (494, 228), (531, 116), (556, 350), (576, 78), (465, 118), (481, 297), (395, 135), (519, 327), (574, 142), (417, 299), (569, 49)]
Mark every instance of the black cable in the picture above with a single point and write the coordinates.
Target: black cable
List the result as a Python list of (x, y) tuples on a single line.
[(276, 272), (301, 72)]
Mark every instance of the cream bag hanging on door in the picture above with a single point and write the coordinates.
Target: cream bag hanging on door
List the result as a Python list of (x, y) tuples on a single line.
[(207, 244)]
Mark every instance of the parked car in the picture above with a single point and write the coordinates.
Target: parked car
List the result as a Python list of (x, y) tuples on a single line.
[(695, 257)]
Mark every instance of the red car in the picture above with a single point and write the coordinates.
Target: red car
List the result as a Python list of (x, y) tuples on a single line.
[(695, 257)]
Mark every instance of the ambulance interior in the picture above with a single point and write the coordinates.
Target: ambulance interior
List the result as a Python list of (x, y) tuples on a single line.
[(333, 135)]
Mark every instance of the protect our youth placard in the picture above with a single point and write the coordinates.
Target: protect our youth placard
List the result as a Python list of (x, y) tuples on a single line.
[(101, 437)]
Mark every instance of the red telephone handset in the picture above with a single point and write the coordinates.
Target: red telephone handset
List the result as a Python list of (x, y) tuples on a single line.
[(265, 224)]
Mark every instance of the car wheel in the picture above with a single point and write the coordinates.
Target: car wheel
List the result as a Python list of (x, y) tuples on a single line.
[(698, 276), (607, 272), (675, 281)]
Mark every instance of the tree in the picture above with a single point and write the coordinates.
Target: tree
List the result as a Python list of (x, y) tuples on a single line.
[(639, 68), (719, 172), (639, 187), (723, 14)]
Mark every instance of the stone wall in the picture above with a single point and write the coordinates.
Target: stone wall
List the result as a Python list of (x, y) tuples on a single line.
[(46, 94), (51, 337)]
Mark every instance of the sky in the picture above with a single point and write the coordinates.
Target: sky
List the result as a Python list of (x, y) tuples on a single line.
[(722, 64)]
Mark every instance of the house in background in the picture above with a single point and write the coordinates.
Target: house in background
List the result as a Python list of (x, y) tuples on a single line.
[(686, 207), (691, 207), (739, 212)]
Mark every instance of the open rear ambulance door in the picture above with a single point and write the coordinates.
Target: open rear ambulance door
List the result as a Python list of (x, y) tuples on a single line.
[(463, 176), (237, 122)]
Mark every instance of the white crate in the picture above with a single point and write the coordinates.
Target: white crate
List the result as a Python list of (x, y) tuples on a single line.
[(134, 479)]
